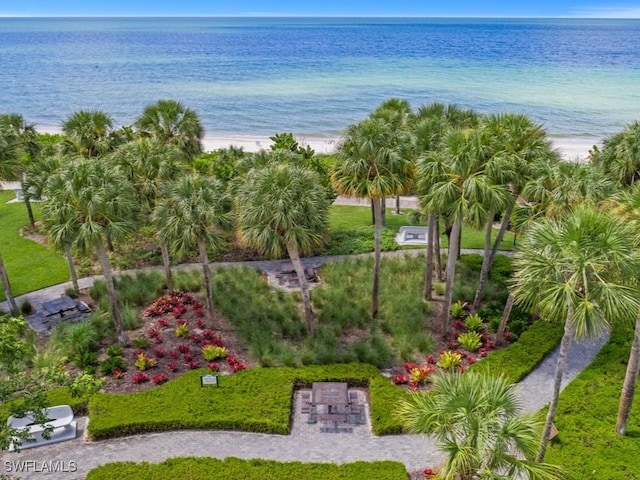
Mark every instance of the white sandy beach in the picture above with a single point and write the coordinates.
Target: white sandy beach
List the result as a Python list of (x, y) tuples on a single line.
[(571, 148)]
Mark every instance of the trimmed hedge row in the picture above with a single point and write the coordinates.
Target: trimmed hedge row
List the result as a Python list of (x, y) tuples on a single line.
[(205, 468), (255, 400), (519, 358), (587, 445)]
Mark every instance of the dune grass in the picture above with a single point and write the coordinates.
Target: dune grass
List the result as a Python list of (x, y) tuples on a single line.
[(30, 266)]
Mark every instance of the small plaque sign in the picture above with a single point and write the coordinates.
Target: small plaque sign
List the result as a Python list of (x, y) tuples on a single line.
[(208, 380)]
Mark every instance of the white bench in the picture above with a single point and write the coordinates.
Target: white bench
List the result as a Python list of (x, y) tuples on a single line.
[(410, 235), (60, 421)]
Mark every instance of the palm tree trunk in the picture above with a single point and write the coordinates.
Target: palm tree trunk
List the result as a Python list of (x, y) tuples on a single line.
[(167, 266), (7, 286), (503, 228), (72, 267), (486, 263), (27, 200), (294, 255), (451, 272), (630, 382), (383, 211), (397, 204), (427, 293), (111, 291), (505, 318), (377, 211), (206, 271), (436, 248), (569, 330), (109, 242)]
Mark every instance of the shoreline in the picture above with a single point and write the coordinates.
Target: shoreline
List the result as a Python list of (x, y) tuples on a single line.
[(574, 149)]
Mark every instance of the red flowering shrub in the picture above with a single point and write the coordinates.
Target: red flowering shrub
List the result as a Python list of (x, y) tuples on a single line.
[(178, 310), (117, 374), (193, 364), (174, 354), (158, 340), (458, 325), (163, 322), (188, 357), (208, 334), (507, 336), (400, 379), (158, 352), (408, 366), (213, 366), (184, 348), (140, 377), (165, 304), (428, 473), (471, 360), (452, 345), (232, 359), (172, 366), (236, 367), (160, 378), (196, 338), (431, 359), (154, 332), (199, 312), (200, 324)]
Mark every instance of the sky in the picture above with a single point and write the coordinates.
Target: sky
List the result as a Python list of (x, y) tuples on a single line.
[(423, 8)]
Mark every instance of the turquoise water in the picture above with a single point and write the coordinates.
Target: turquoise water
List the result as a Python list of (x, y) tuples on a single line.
[(315, 76)]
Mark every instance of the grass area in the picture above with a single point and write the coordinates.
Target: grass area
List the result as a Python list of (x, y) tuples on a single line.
[(231, 468), (30, 266), (343, 217), (255, 400), (269, 322), (587, 445)]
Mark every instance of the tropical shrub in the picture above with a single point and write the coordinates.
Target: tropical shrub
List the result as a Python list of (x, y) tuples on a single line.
[(470, 341), (113, 363), (449, 360), (144, 362), (473, 322), (213, 352), (141, 342), (457, 310)]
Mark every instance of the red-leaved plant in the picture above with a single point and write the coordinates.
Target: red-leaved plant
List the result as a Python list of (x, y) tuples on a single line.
[(140, 377), (160, 378), (172, 366), (193, 364)]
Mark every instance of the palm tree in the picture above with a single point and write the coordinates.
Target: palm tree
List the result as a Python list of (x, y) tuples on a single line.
[(518, 146), (149, 165), (477, 422), (619, 158), (284, 207), (171, 122), (88, 133), (191, 215), (573, 270), (26, 134), (460, 191), (9, 170), (627, 206), (369, 166), (89, 200)]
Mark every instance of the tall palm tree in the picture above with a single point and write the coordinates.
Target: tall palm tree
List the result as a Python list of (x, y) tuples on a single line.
[(171, 122), (29, 150), (627, 206), (430, 125), (88, 133), (369, 166), (460, 190), (283, 207), (574, 270), (477, 422), (518, 144), (9, 170), (87, 201), (149, 165), (192, 215), (619, 158)]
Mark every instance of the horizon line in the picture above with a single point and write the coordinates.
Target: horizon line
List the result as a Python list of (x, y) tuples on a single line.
[(265, 15)]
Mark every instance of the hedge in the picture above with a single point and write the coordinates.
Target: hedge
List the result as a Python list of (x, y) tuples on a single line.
[(255, 400), (205, 468), (519, 358), (587, 445), (57, 396)]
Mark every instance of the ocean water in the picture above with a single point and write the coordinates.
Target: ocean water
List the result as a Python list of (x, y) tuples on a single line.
[(315, 76)]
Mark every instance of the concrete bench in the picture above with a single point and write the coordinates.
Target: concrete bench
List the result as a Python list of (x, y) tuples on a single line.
[(59, 422), (332, 417)]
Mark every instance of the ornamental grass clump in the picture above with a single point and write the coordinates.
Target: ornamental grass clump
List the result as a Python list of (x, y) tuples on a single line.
[(213, 352)]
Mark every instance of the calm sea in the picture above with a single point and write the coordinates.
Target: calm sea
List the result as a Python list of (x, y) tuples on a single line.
[(315, 76)]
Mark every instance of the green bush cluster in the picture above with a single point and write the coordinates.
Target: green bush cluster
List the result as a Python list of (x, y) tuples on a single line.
[(587, 445), (519, 358), (231, 468), (255, 400), (350, 240)]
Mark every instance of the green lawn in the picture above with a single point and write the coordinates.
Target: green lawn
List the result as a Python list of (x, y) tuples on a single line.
[(347, 216), (30, 265)]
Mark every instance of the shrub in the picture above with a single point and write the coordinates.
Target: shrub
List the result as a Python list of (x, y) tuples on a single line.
[(212, 352), (86, 360), (75, 338), (457, 310), (115, 351), (140, 377), (473, 322), (71, 292), (141, 342), (160, 378), (449, 360), (113, 363), (439, 288), (470, 341), (143, 362), (182, 330), (26, 308), (130, 318)]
